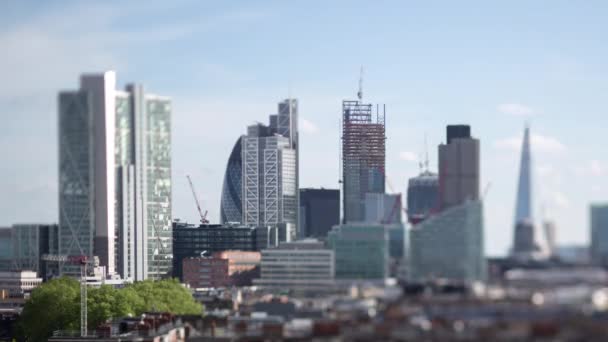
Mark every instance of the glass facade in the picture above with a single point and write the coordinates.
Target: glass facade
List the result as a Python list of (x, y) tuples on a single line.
[(190, 241), (76, 231), (158, 186), (422, 196), (449, 245), (231, 206), (599, 234), (361, 251)]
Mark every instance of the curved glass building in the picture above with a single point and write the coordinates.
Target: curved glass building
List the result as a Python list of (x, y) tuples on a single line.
[(231, 207)]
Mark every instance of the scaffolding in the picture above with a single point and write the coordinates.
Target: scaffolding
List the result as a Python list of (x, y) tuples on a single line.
[(363, 155)]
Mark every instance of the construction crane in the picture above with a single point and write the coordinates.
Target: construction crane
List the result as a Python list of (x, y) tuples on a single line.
[(198, 206), (82, 261)]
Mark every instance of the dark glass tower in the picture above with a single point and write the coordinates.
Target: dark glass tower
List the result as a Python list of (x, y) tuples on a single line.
[(231, 208)]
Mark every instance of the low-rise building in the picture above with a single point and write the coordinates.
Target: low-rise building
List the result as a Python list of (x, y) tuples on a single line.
[(190, 241), (300, 265), (222, 269), (19, 283)]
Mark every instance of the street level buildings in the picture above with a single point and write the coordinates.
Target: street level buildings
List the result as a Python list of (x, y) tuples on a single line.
[(319, 211), (115, 177)]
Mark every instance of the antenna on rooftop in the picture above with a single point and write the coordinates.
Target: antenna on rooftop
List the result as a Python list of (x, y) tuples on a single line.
[(360, 93)]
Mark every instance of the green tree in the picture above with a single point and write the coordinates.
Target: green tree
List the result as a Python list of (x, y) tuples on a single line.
[(55, 305), (164, 295), (52, 306)]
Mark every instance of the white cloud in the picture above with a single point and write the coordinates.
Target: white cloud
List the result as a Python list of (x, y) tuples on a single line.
[(560, 200), (408, 156), (539, 143), (308, 126), (596, 168), (515, 109)]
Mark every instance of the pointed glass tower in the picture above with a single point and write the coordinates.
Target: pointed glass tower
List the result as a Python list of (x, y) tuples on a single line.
[(526, 241)]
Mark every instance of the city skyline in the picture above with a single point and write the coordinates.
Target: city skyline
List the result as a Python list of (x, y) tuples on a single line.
[(557, 86)]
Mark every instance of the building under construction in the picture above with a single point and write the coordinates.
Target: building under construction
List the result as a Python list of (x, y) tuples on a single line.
[(363, 155)]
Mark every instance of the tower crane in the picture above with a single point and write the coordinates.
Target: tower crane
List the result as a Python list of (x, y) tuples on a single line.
[(198, 206), (82, 261)]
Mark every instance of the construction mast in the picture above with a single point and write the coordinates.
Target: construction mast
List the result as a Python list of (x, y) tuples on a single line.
[(363, 152)]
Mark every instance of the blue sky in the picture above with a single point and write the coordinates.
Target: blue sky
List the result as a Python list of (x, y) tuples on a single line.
[(493, 65)]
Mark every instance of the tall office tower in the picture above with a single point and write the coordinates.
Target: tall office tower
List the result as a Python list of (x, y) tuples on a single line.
[(269, 172), (458, 167), (363, 155), (599, 234), (526, 240), (231, 204), (115, 177), (449, 245), (383, 208), (422, 196), (319, 211)]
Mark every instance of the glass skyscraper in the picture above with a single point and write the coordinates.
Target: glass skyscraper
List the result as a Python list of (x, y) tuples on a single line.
[(115, 177), (231, 206), (267, 193)]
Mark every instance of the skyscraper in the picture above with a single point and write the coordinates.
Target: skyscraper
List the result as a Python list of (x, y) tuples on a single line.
[(526, 239), (231, 205), (319, 211), (422, 196), (115, 177), (270, 172), (599, 234), (458, 167), (363, 155), (450, 243)]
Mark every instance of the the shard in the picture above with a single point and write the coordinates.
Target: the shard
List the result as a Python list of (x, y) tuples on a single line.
[(526, 241)]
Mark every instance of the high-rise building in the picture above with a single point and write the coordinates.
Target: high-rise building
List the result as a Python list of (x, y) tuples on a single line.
[(458, 167), (363, 155), (599, 234), (304, 265), (115, 177), (550, 230), (29, 243), (382, 208), (6, 249), (526, 239), (361, 251), (270, 172), (319, 211), (449, 245), (422, 196), (231, 205)]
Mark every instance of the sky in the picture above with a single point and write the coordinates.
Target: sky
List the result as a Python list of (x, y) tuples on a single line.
[(226, 64)]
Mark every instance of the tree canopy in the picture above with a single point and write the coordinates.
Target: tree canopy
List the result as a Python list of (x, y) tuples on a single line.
[(55, 305)]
